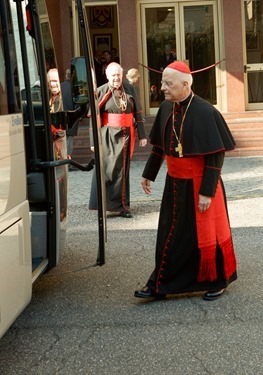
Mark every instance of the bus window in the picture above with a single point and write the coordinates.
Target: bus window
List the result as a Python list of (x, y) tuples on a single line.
[(9, 84), (79, 80), (3, 93), (50, 62)]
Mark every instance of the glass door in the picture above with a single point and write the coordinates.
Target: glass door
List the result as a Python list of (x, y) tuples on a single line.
[(198, 47), (184, 31), (159, 47), (253, 13)]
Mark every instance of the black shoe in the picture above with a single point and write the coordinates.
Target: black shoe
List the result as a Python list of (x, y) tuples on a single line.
[(146, 292), (126, 214), (211, 296)]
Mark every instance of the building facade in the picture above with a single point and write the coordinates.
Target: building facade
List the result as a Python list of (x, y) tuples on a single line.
[(226, 36)]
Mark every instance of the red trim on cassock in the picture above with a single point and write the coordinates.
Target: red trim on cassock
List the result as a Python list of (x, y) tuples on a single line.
[(156, 153), (212, 225), (104, 99), (210, 167), (167, 243)]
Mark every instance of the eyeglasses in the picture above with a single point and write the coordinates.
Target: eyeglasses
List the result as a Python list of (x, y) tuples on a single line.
[(167, 83)]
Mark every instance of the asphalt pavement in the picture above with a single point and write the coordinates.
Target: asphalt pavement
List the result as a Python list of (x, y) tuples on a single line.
[(84, 319)]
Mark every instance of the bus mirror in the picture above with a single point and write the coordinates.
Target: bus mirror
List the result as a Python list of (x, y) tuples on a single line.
[(30, 26), (79, 84)]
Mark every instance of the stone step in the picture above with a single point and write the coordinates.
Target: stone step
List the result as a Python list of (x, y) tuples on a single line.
[(245, 121), (247, 143), (248, 133), (251, 126), (248, 136), (249, 151), (81, 151), (243, 115)]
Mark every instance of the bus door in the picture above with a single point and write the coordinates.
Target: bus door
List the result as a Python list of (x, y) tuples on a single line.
[(48, 165), (15, 240), (45, 133), (84, 89)]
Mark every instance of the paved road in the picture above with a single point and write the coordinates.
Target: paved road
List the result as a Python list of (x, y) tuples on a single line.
[(85, 320)]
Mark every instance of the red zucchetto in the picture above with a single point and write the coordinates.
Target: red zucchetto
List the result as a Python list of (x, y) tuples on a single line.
[(180, 66)]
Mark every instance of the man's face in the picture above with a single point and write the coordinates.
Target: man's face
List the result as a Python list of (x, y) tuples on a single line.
[(174, 88), (54, 87), (134, 80), (107, 56), (114, 76), (53, 81)]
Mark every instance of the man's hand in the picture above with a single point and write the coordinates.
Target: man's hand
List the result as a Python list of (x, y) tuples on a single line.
[(146, 185), (143, 142), (204, 203)]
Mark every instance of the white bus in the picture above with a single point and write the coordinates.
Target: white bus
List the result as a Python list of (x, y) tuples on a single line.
[(33, 155)]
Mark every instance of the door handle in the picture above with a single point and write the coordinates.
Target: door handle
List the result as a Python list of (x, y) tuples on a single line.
[(246, 68)]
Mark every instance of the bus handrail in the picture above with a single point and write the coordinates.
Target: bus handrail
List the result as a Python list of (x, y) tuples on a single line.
[(56, 163)]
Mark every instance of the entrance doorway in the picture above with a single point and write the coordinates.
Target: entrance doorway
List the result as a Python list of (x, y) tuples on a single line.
[(184, 31), (253, 13), (104, 34)]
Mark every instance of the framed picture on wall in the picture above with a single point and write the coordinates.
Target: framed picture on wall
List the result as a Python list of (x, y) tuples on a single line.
[(101, 16), (102, 42)]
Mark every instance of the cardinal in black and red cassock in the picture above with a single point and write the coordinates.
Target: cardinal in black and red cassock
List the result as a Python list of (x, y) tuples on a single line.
[(194, 247), (121, 119)]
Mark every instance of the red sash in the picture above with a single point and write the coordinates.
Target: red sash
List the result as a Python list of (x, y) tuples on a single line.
[(212, 225), (121, 120)]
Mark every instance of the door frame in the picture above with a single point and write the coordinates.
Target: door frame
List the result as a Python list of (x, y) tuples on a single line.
[(249, 68), (180, 44), (75, 20)]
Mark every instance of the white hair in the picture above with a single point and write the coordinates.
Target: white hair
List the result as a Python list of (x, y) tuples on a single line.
[(187, 78), (184, 77), (113, 65)]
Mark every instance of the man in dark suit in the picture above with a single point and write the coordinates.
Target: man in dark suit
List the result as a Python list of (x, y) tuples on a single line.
[(167, 57)]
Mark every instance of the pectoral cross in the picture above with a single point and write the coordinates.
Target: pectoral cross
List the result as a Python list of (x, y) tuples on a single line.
[(123, 105), (179, 149)]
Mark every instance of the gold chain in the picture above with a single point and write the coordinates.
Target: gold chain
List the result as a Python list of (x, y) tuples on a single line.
[(179, 147), (122, 100)]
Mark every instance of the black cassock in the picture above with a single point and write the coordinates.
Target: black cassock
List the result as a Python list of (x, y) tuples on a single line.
[(193, 252), (116, 145)]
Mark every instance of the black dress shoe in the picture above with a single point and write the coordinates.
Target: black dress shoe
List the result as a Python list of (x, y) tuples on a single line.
[(126, 214), (211, 296), (146, 292)]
